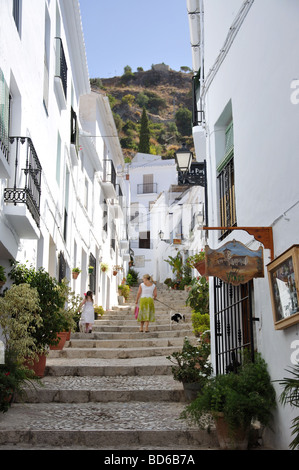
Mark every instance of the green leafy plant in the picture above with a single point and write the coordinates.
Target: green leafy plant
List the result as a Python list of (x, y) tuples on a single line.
[(132, 277), (13, 379), (124, 290), (99, 311), (198, 296), (176, 262), (2, 274), (20, 319), (290, 395), (240, 397), (191, 364), (194, 259), (168, 282), (76, 270), (51, 302), (200, 323), (70, 312)]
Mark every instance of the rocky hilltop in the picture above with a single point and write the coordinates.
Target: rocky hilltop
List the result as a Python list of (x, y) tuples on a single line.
[(166, 96)]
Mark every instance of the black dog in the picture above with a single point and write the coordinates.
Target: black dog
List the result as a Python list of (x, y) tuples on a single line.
[(177, 317)]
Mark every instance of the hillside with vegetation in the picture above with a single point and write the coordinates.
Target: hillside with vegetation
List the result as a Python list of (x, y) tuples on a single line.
[(153, 105)]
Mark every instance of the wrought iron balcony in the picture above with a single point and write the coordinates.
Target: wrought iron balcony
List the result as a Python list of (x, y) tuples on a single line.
[(147, 188), (26, 187)]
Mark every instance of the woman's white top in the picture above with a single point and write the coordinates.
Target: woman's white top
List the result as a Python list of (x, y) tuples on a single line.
[(147, 291)]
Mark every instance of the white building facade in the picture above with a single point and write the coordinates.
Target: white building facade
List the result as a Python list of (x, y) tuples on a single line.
[(246, 127), (54, 175), (149, 176)]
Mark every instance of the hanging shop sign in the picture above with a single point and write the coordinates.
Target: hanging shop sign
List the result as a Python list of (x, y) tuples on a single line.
[(195, 176), (283, 275), (234, 263)]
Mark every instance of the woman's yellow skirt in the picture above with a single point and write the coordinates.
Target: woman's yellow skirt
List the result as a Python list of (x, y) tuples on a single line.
[(146, 309)]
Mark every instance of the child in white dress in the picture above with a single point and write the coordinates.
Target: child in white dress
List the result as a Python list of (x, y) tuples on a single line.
[(87, 316)]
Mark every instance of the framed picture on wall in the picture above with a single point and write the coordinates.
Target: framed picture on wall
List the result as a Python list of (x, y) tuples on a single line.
[(283, 275)]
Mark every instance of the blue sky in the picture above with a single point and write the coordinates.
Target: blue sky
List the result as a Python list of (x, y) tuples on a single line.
[(137, 33)]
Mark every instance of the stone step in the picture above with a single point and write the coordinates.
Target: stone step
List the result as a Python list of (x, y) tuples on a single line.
[(108, 353), (136, 367), (67, 389), (158, 313), (101, 425), (102, 335), (125, 343), (153, 328), (132, 321)]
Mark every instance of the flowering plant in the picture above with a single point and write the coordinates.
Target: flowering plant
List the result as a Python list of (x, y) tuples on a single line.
[(191, 364)]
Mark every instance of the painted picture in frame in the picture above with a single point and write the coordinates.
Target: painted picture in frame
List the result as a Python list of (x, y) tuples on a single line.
[(283, 282)]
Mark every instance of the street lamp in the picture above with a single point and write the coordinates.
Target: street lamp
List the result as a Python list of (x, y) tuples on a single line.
[(161, 236), (183, 158)]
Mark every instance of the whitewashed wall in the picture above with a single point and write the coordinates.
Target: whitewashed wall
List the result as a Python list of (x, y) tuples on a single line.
[(254, 82)]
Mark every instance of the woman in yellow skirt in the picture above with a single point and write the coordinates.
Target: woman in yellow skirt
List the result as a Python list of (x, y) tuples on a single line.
[(147, 293)]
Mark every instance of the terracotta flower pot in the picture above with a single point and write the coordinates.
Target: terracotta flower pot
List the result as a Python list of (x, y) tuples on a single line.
[(201, 267), (75, 275), (68, 335), (62, 339), (236, 439), (38, 366)]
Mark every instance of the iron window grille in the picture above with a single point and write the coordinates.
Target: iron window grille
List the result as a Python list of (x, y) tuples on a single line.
[(226, 181), (29, 190)]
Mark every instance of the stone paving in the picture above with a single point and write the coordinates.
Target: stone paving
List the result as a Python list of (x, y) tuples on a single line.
[(112, 389)]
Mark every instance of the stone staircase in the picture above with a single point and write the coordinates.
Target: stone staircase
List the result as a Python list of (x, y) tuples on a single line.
[(110, 389)]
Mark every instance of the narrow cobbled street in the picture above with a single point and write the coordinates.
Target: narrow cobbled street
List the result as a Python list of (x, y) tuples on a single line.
[(111, 389)]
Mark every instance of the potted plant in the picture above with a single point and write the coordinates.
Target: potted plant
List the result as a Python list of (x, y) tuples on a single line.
[(198, 295), (177, 267), (197, 261), (20, 318), (234, 400), (2, 276), (104, 267), (99, 311), (200, 324), (76, 272), (13, 378), (290, 395), (115, 270), (69, 312), (124, 290), (132, 277), (191, 367), (90, 269), (51, 303)]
